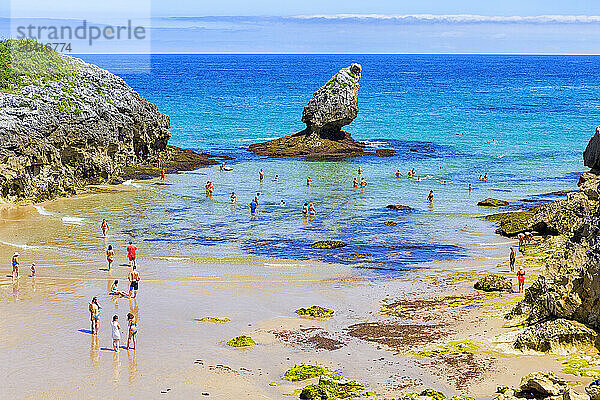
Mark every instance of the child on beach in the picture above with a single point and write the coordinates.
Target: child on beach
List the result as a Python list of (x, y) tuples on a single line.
[(15, 265), (521, 279), (104, 226), (132, 322), (116, 333), (110, 256), (94, 309), (131, 249), (512, 259)]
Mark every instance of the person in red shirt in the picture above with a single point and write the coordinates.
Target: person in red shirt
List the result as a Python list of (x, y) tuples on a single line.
[(131, 249)]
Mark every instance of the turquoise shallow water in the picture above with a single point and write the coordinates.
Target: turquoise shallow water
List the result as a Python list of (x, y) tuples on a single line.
[(524, 120)]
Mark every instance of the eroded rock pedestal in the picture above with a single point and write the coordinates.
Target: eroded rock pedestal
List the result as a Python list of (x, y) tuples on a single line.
[(332, 107)]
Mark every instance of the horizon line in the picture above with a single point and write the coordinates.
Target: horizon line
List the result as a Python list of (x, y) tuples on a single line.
[(348, 54)]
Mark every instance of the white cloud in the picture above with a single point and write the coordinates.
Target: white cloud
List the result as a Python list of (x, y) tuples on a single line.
[(458, 18)]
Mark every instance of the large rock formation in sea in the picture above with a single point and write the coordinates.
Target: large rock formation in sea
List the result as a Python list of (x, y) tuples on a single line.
[(82, 125), (332, 107)]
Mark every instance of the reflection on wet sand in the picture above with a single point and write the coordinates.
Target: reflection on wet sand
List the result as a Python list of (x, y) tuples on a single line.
[(95, 350), (133, 370), (116, 367)]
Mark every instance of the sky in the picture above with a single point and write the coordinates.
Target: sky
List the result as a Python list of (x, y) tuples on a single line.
[(325, 26)]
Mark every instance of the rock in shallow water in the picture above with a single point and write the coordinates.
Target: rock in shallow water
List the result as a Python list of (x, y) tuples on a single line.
[(328, 244), (494, 283), (398, 207), (491, 202), (591, 155)]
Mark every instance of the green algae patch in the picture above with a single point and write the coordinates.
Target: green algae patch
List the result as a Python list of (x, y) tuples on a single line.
[(328, 244), (213, 320), (315, 312), (332, 387), (512, 223), (303, 372), (358, 255), (491, 202), (241, 341), (578, 365), (462, 397), (450, 349), (433, 394)]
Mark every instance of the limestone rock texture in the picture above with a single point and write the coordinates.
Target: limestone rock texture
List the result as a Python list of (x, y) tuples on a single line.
[(331, 107), (494, 283), (59, 134), (556, 336), (591, 155)]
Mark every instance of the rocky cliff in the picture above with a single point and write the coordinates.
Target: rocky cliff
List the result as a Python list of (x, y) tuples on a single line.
[(568, 292), (59, 131), (332, 107)]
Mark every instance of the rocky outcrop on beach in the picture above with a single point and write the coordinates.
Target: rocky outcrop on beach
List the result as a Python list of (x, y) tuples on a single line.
[(85, 125), (491, 202), (494, 283), (332, 107), (557, 336)]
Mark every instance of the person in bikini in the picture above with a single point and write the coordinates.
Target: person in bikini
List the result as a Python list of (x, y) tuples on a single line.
[(104, 226), (15, 266), (521, 279), (115, 291), (110, 256), (94, 309), (132, 322), (134, 278)]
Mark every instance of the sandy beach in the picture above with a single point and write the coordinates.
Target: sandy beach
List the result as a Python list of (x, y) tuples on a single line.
[(379, 327)]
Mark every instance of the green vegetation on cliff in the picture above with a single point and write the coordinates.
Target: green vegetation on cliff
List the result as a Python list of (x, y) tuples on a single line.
[(24, 61)]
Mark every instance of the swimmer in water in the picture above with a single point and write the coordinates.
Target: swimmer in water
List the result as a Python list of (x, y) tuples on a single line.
[(305, 209), (253, 205), (363, 182), (282, 203), (470, 188), (104, 226), (261, 175), (162, 175), (276, 178), (308, 181), (233, 197), (222, 166), (418, 179), (398, 174), (430, 197), (311, 210), (355, 183), (359, 170), (256, 198)]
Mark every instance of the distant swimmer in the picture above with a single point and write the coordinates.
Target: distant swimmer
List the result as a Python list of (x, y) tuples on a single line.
[(485, 177), (355, 183), (305, 209), (253, 204), (418, 179), (512, 257), (233, 197), (15, 265), (131, 250), (110, 256), (282, 203), (261, 175), (430, 197), (398, 174), (363, 182), (308, 181), (223, 166), (105, 228), (311, 210), (276, 178), (360, 171), (256, 198), (470, 188), (162, 175)]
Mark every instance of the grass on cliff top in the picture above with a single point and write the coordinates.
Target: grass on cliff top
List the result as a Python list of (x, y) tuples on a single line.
[(23, 61)]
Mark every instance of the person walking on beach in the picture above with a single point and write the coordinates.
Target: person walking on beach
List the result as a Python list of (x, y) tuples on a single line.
[(15, 266), (110, 256), (261, 175), (131, 250), (134, 278), (94, 309), (116, 333), (512, 259), (132, 322), (430, 197), (104, 226), (521, 279)]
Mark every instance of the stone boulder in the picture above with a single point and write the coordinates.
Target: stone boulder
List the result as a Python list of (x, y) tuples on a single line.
[(491, 202), (591, 155), (543, 384), (571, 394), (593, 390), (331, 107), (556, 336), (398, 207), (494, 283)]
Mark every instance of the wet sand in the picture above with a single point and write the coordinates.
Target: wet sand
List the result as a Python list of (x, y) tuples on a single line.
[(51, 354)]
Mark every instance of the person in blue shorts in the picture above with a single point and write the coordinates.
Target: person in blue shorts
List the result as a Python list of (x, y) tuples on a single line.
[(253, 207)]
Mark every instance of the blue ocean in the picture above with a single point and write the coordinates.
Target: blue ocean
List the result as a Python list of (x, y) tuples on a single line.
[(523, 120)]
